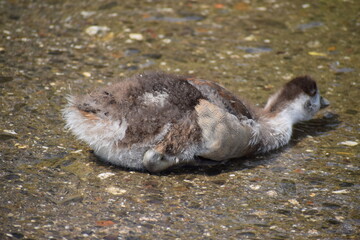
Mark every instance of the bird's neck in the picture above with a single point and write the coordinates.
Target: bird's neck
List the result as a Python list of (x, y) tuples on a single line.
[(274, 131)]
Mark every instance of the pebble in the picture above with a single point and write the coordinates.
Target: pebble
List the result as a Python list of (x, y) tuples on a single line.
[(349, 143), (166, 40), (115, 190), (254, 187), (309, 25), (96, 30), (250, 38), (136, 36), (255, 49), (313, 232), (105, 175), (175, 19), (77, 151), (86, 74), (313, 44), (293, 202), (335, 67), (131, 51), (341, 191), (10, 131), (21, 146), (318, 54), (271, 193), (87, 14)]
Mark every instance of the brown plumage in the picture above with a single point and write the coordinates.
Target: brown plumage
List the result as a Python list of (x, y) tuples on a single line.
[(154, 121)]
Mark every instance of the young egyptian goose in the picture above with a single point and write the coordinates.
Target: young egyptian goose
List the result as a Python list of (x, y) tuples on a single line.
[(155, 121)]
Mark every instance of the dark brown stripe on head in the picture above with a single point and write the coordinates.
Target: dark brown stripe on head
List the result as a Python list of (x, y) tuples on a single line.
[(293, 89)]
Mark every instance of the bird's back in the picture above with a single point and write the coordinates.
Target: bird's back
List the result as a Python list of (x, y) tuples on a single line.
[(155, 111)]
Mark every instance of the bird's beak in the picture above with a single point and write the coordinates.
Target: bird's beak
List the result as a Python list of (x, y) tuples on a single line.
[(324, 103)]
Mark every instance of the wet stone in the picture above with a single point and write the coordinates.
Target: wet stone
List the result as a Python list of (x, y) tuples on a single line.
[(153, 55), (219, 182), (331, 205), (17, 235), (108, 5), (194, 205), (56, 52), (309, 25), (311, 212), (11, 177), (255, 49), (346, 184), (130, 67), (111, 237), (246, 234), (287, 187), (284, 212), (4, 137), (333, 221), (131, 51), (87, 232), (154, 199), (316, 180), (175, 19), (4, 79), (351, 111), (72, 199)]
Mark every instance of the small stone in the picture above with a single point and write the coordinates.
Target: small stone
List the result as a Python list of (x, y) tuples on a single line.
[(349, 143), (313, 44), (105, 175), (104, 223), (87, 14), (260, 213), (262, 9), (77, 151), (86, 74), (329, 115), (309, 25), (254, 187), (271, 193), (21, 146), (287, 187), (115, 190), (72, 199), (166, 40), (136, 36), (250, 38), (313, 232), (96, 30), (318, 54), (341, 191), (10, 131), (148, 219), (293, 202)]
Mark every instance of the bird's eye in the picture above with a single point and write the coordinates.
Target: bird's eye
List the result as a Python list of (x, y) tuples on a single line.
[(308, 104)]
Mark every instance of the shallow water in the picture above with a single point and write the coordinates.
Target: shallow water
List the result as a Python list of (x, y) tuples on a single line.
[(52, 186)]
